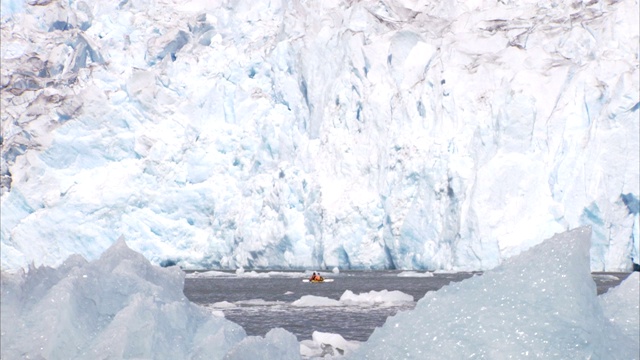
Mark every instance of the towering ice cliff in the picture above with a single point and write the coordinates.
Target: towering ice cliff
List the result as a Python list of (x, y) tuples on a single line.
[(283, 134)]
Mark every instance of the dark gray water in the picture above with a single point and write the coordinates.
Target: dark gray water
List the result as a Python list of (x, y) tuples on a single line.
[(262, 304)]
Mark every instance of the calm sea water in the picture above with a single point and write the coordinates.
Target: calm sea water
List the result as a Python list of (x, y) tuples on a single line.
[(262, 304)]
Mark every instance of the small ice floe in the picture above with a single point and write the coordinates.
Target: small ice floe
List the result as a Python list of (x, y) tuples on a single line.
[(348, 298), (326, 344), (207, 274), (415, 274), (446, 271), (286, 274), (223, 305), (217, 313), (252, 274), (315, 301), (254, 302), (605, 277), (278, 343), (373, 298)]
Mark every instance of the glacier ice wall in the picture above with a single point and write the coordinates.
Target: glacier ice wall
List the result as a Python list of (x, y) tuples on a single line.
[(284, 134)]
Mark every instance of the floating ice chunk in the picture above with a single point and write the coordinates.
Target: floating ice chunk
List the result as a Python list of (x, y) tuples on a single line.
[(253, 274), (335, 270), (223, 305), (383, 297), (607, 277), (335, 340), (208, 274), (621, 307), (240, 271), (313, 301), (309, 349), (258, 302), (217, 313), (324, 344), (415, 274), (119, 306), (443, 271), (348, 298), (277, 344), (540, 303), (286, 274)]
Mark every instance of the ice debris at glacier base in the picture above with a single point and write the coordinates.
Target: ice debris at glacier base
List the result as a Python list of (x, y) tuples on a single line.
[(541, 303)]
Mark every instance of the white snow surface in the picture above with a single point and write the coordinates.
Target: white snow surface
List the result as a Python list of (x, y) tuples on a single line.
[(405, 134)]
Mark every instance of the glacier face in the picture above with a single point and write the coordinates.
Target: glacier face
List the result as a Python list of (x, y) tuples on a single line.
[(287, 134)]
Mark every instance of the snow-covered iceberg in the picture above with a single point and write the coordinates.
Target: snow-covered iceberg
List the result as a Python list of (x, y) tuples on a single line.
[(293, 134)]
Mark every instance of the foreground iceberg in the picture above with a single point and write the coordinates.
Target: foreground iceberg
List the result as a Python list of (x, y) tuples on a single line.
[(117, 307), (541, 303)]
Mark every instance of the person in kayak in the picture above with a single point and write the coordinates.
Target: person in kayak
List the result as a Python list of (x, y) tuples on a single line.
[(316, 277)]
